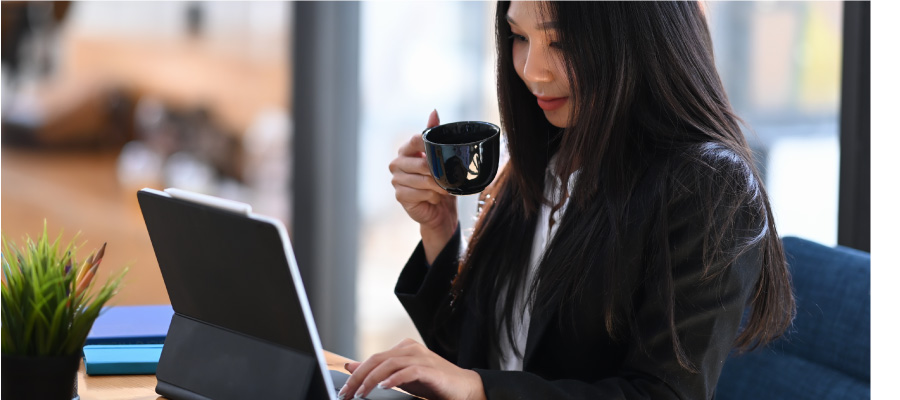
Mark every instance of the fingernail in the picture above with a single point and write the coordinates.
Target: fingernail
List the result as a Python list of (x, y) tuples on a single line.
[(359, 393), (343, 393), (382, 385), (347, 366)]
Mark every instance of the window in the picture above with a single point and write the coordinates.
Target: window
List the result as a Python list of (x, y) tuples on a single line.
[(780, 63), (409, 65)]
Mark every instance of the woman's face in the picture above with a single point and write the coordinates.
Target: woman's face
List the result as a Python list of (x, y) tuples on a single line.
[(538, 60)]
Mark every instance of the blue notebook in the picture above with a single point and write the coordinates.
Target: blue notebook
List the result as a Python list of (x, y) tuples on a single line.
[(131, 325), (121, 359)]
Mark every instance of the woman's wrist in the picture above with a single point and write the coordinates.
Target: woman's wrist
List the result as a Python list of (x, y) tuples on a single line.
[(477, 392), (435, 239)]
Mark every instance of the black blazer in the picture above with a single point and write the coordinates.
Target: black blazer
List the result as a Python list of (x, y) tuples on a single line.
[(585, 363)]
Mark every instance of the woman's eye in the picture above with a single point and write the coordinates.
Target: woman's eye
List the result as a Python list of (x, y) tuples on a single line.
[(516, 37)]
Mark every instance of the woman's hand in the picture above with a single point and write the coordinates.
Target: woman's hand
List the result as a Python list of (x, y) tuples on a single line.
[(415, 369), (425, 202)]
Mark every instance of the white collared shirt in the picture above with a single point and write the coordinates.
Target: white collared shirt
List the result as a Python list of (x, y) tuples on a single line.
[(543, 234)]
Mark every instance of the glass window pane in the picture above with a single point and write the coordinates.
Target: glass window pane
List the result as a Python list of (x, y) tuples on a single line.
[(411, 64), (780, 64)]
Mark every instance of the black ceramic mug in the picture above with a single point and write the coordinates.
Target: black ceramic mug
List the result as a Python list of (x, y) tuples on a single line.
[(463, 156)]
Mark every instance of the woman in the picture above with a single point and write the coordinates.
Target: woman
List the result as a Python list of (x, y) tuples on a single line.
[(618, 249)]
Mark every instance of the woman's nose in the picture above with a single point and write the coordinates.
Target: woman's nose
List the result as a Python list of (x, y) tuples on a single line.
[(537, 68)]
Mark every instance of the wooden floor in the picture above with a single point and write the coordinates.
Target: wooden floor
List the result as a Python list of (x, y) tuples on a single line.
[(77, 191)]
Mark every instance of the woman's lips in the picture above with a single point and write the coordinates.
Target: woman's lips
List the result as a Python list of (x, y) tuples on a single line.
[(551, 103)]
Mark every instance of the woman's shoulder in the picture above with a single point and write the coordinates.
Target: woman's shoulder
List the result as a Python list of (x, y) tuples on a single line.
[(711, 182), (710, 157), (712, 165)]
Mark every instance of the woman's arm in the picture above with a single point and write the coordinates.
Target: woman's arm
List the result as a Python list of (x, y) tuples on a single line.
[(424, 289)]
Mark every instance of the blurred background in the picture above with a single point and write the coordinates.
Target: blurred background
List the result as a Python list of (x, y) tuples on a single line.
[(297, 109)]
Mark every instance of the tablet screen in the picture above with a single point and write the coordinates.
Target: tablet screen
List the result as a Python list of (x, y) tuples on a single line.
[(226, 269)]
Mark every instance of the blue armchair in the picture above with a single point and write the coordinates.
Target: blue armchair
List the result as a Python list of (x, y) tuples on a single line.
[(826, 354)]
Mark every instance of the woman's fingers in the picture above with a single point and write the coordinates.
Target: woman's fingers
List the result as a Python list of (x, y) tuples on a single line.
[(361, 372), (416, 181), (414, 147), (351, 366), (410, 165), (412, 366), (406, 375), (433, 119), (410, 175), (408, 196), (384, 370)]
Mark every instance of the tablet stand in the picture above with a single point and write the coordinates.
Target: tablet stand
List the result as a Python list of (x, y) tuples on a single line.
[(217, 363)]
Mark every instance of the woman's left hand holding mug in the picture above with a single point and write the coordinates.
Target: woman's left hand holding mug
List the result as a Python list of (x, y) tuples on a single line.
[(421, 197)]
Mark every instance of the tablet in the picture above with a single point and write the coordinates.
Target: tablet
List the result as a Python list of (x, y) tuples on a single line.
[(242, 326)]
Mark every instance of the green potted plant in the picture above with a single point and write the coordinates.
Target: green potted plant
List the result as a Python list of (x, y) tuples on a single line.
[(49, 303)]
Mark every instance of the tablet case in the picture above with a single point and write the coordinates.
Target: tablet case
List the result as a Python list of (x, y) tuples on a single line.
[(241, 327)]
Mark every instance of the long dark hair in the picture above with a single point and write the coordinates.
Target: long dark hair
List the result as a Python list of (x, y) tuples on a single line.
[(652, 135)]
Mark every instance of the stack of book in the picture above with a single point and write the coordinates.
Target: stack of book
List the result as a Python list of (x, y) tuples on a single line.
[(127, 340)]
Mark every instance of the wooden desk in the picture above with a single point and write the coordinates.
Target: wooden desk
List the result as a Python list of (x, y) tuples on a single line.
[(142, 387)]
